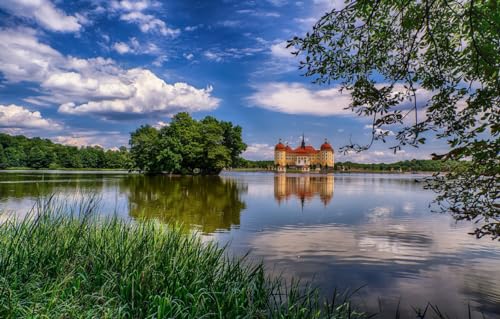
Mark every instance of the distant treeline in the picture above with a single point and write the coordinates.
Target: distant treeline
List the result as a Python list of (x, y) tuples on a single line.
[(404, 166), (20, 151)]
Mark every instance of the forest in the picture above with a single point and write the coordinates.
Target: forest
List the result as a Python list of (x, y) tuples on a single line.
[(23, 152)]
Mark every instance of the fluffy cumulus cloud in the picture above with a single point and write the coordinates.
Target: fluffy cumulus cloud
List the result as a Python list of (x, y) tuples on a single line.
[(147, 94), (133, 12), (295, 98), (43, 12), (19, 117), (94, 86)]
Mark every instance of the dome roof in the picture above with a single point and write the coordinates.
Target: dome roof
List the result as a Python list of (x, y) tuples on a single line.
[(279, 147), (326, 146)]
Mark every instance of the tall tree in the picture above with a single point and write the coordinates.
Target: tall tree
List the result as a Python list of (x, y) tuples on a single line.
[(144, 148), (441, 56)]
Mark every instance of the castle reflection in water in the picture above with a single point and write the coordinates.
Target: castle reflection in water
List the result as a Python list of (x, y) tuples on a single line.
[(304, 187)]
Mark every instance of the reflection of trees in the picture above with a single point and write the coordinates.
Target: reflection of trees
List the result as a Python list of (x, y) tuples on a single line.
[(37, 185), (304, 187), (207, 202)]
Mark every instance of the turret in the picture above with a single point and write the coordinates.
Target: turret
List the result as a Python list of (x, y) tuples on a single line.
[(280, 154), (327, 154)]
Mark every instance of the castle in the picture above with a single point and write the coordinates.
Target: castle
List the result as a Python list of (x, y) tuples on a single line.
[(303, 157)]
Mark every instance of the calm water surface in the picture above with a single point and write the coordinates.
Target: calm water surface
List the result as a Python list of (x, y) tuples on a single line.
[(343, 231)]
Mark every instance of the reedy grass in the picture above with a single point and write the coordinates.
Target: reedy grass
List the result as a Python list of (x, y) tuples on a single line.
[(65, 262)]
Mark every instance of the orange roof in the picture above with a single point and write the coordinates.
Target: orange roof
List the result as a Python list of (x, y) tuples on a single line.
[(306, 150), (326, 146), (279, 147)]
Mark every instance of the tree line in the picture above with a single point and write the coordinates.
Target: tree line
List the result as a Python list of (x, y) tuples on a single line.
[(20, 151), (404, 166)]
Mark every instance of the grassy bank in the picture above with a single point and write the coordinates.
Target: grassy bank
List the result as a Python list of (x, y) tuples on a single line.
[(55, 265)]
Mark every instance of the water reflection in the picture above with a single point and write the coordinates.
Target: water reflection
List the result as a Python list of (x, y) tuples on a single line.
[(340, 232), (205, 203), (304, 187)]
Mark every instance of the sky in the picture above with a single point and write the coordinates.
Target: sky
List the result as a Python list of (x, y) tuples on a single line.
[(90, 72)]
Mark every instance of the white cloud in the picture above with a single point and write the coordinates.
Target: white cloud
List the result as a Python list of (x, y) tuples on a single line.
[(258, 151), (160, 124), (95, 86), (256, 13), (295, 98), (230, 23), (126, 5), (280, 50), (135, 47), (191, 28), (160, 60), (188, 56), (148, 94), (277, 3), (108, 140), (230, 53), (18, 117), (379, 131), (148, 23), (133, 12), (213, 56), (44, 12), (122, 47)]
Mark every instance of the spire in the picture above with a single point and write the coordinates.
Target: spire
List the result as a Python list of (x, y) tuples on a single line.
[(303, 145)]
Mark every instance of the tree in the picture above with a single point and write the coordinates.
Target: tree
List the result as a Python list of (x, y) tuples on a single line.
[(144, 148), (38, 158), (187, 146), (3, 158), (399, 59)]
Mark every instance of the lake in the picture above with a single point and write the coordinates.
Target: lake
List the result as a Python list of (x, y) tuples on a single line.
[(343, 231)]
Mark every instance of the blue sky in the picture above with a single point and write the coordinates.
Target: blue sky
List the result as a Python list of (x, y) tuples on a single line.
[(90, 72)]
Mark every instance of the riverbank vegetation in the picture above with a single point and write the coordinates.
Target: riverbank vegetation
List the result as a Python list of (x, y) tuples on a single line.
[(401, 166), (23, 152), (77, 266), (187, 146)]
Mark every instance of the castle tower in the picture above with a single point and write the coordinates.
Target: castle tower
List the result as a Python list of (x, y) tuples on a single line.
[(280, 156), (327, 155)]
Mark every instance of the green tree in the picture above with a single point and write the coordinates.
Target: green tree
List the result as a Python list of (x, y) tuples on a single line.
[(38, 158), (187, 146), (3, 158), (144, 149), (387, 52), (15, 157)]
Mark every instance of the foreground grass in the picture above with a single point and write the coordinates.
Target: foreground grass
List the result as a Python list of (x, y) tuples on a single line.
[(73, 265)]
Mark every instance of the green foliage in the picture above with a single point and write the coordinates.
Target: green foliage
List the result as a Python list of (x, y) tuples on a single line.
[(54, 265), (38, 158), (187, 146), (244, 163), (403, 166), (437, 57), (3, 158), (20, 151)]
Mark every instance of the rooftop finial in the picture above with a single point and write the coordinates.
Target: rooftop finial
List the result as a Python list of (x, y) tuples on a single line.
[(303, 145)]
